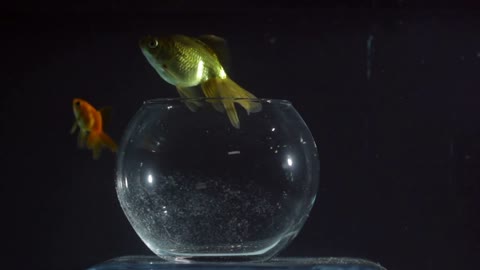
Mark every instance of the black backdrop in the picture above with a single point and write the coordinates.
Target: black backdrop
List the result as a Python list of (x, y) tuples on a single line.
[(399, 148)]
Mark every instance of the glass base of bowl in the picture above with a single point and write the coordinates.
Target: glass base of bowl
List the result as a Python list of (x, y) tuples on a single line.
[(277, 263)]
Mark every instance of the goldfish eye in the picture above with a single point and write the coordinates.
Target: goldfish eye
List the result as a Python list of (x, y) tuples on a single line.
[(153, 44), (77, 103)]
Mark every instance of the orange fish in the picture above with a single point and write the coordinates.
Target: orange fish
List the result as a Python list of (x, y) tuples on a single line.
[(90, 123)]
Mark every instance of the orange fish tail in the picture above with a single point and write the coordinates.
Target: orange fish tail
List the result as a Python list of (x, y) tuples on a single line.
[(97, 141), (108, 142)]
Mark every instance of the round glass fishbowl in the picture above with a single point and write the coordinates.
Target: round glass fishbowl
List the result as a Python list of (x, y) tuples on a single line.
[(195, 187)]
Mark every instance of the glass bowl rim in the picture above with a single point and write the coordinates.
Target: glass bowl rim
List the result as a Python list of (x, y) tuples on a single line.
[(206, 99)]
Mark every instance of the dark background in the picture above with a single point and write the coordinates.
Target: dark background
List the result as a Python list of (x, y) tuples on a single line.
[(399, 150)]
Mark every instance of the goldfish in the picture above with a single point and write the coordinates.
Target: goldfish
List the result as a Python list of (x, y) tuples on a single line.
[(187, 62), (90, 123)]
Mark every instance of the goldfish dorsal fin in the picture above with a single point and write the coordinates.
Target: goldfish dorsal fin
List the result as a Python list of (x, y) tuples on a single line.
[(106, 113), (219, 47)]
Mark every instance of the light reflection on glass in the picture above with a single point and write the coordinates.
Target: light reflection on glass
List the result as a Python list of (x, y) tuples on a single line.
[(290, 176), (289, 161), (126, 182), (150, 179)]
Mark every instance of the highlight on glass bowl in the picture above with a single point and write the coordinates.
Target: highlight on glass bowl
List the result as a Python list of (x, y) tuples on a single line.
[(195, 187)]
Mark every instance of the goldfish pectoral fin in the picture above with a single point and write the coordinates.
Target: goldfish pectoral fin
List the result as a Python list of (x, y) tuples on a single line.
[(209, 90), (106, 113), (232, 113), (189, 93), (81, 139), (74, 127)]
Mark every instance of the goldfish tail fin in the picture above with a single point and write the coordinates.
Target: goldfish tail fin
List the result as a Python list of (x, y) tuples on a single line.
[(210, 90), (108, 142), (97, 141), (213, 89), (232, 89), (227, 88), (96, 153), (93, 143)]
